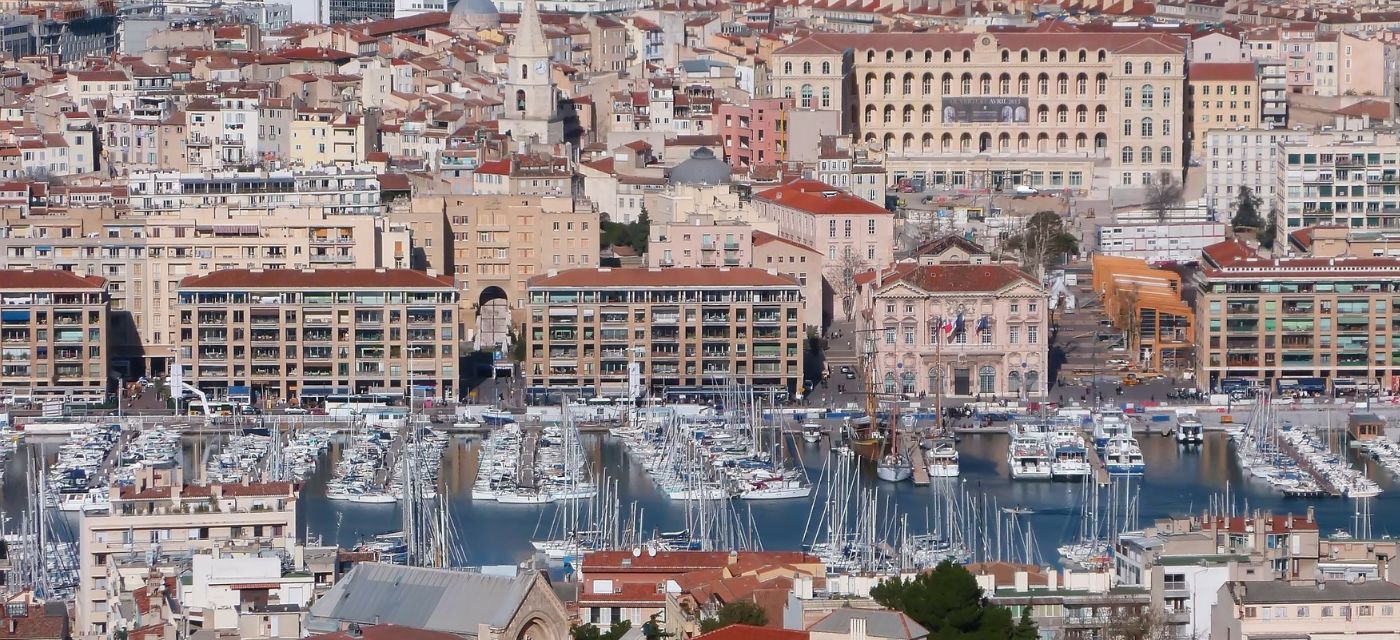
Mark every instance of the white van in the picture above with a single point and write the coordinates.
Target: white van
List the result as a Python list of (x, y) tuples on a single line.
[(1024, 190)]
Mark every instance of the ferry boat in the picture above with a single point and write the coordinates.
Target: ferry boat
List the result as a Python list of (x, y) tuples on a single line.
[(942, 457), (1109, 422), (1029, 458), (1071, 461), (1123, 456), (1189, 430)]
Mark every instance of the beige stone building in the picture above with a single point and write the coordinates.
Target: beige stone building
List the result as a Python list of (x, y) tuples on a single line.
[(160, 515), (301, 335), (499, 242), (1055, 108), (960, 328), (799, 262), (1223, 95), (691, 332), (1255, 610), (53, 335), (144, 258)]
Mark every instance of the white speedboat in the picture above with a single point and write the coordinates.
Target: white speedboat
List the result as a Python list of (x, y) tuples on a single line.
[(522, 497), (777, 489), (812, 432), (942, 458)]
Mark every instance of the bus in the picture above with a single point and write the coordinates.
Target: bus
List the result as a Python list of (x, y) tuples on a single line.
[(343, 405)]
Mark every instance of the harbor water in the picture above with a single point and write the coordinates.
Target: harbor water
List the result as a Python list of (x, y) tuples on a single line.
[(1178, 480)]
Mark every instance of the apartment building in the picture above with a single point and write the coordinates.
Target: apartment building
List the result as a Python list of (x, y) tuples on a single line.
[(327, 137), (143, 259), (306, 333), (1223, 95), (836, 223), (1239, 158), (956, 329), (986, 110), (701, 241), (1255, 610), (690, 333), (1296, 320), (1338, 177), (528, 175), (499, 242), (53, 335), (350, 190), (161, 516), (757, 132)]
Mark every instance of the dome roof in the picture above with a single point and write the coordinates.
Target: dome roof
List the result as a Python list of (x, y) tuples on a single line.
[(475, 14), (702, 168)]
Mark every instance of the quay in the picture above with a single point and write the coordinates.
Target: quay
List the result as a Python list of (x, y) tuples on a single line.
[(1095, 462), (526, 472), (907, 442)]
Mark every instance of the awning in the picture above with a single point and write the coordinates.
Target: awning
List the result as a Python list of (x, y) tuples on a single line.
[(14, 315), (1312, 384), (255, 585)]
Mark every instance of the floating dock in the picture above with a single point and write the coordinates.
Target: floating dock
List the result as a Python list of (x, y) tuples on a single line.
[(1096, 462)]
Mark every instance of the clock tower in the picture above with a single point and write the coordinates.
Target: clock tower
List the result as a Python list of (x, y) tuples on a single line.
[(531, 101)]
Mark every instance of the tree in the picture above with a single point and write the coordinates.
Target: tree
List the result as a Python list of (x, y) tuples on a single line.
[(1026, 628), (589, 631), (1041, 242), (1247, 211), (1270, 234), (631, 234), (1164, 193), (738, 612), (842, 276), (948, 602), (1139, 621), (640, 231)]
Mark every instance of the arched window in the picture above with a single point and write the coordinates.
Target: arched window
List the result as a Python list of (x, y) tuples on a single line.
[(1146, 96), (1005, 55), (1127, 155), (1100, 114), (1004, 84), (1145, 156), (1004, 143), (1023, 84), (1042, 114), (928, 55), (1062, 84), (826, 67), (928, 114), (870, 56), (1165, 155), (1127, 96), (1103, 55), (967, 84), (965, 143), (1167, 67), (1023, 142), (927, 142), (524, 72), (1083, 55), (889, 56), (1146, 131), (889, 383), (869, 83), (806, 96), (1013, 382), (987, 379), (986, 84), (967, 56), (1064, 56), (908, 114), (1101, 84), (1128, 68), (1025, 55), (806, 68), (947, 142), (826, 97), (1044, 55), (906, 380), (984, 142), (1147, 68), (909, 55), (927, 83), (787, 92), (787, 68), (1166, 97), (889, 114), (933, 379), (1081, 141), (1081, 114), (1043, 84), (520, 100), (1062, 114), (870, 114), (1032, 382), (1062, 142), (1100, 141), (947, 84), (948, 55), (889, 83), (1081, 83)]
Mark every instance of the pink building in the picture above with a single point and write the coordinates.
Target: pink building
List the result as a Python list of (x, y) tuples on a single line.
[(701, 241), (838, 225), (755, 133)]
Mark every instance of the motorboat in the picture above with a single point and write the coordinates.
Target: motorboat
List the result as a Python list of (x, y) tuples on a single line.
[(812, 432), (1123, 456), (1189, 430), (942, 458), (1029, 458), (894, 467)]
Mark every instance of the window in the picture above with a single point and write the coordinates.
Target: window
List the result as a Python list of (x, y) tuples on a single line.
[(1127, 127), (1146, 96), (889, 335), (1166, 97), (870, 226), (1302, 612), (1326, 612), (1127, 96), (826, 68), (1032, 335), (806, 96), (1031, 307), (987, 380), (1146, 155), (787, 68), (1127, 155), (909, 335), (1013, 335), (1128, 68), (986, 334), (806, 68), (1165, 155), (826, 97), (1146, 129)]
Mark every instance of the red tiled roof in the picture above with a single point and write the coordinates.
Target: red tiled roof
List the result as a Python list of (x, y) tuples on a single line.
[(314, 54), (47, 279), (300, 279), (683, 561), (1375, 109), (750, 632), (761, 238), (1070, 38), (1226, 251), (943, 278), (818, 197), (35, 625), (1222, 71), (678, 277)]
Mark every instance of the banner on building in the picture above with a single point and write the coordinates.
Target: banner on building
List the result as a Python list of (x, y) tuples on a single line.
[(976, 109)]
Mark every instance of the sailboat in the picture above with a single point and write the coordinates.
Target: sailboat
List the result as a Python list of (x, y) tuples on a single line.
[(894, 466), (942, 458)]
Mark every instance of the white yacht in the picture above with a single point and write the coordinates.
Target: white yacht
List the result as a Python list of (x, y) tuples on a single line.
[(1029, 458), (942, 459), (1123, 456), (1189, 430)]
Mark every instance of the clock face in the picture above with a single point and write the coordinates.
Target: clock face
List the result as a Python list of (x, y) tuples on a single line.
[(539, 67)]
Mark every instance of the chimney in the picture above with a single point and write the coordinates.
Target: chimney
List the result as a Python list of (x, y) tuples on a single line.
[(857, 628), (1310, 515)]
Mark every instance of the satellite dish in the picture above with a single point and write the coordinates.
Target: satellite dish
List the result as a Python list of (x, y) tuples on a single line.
[(636, 552)]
